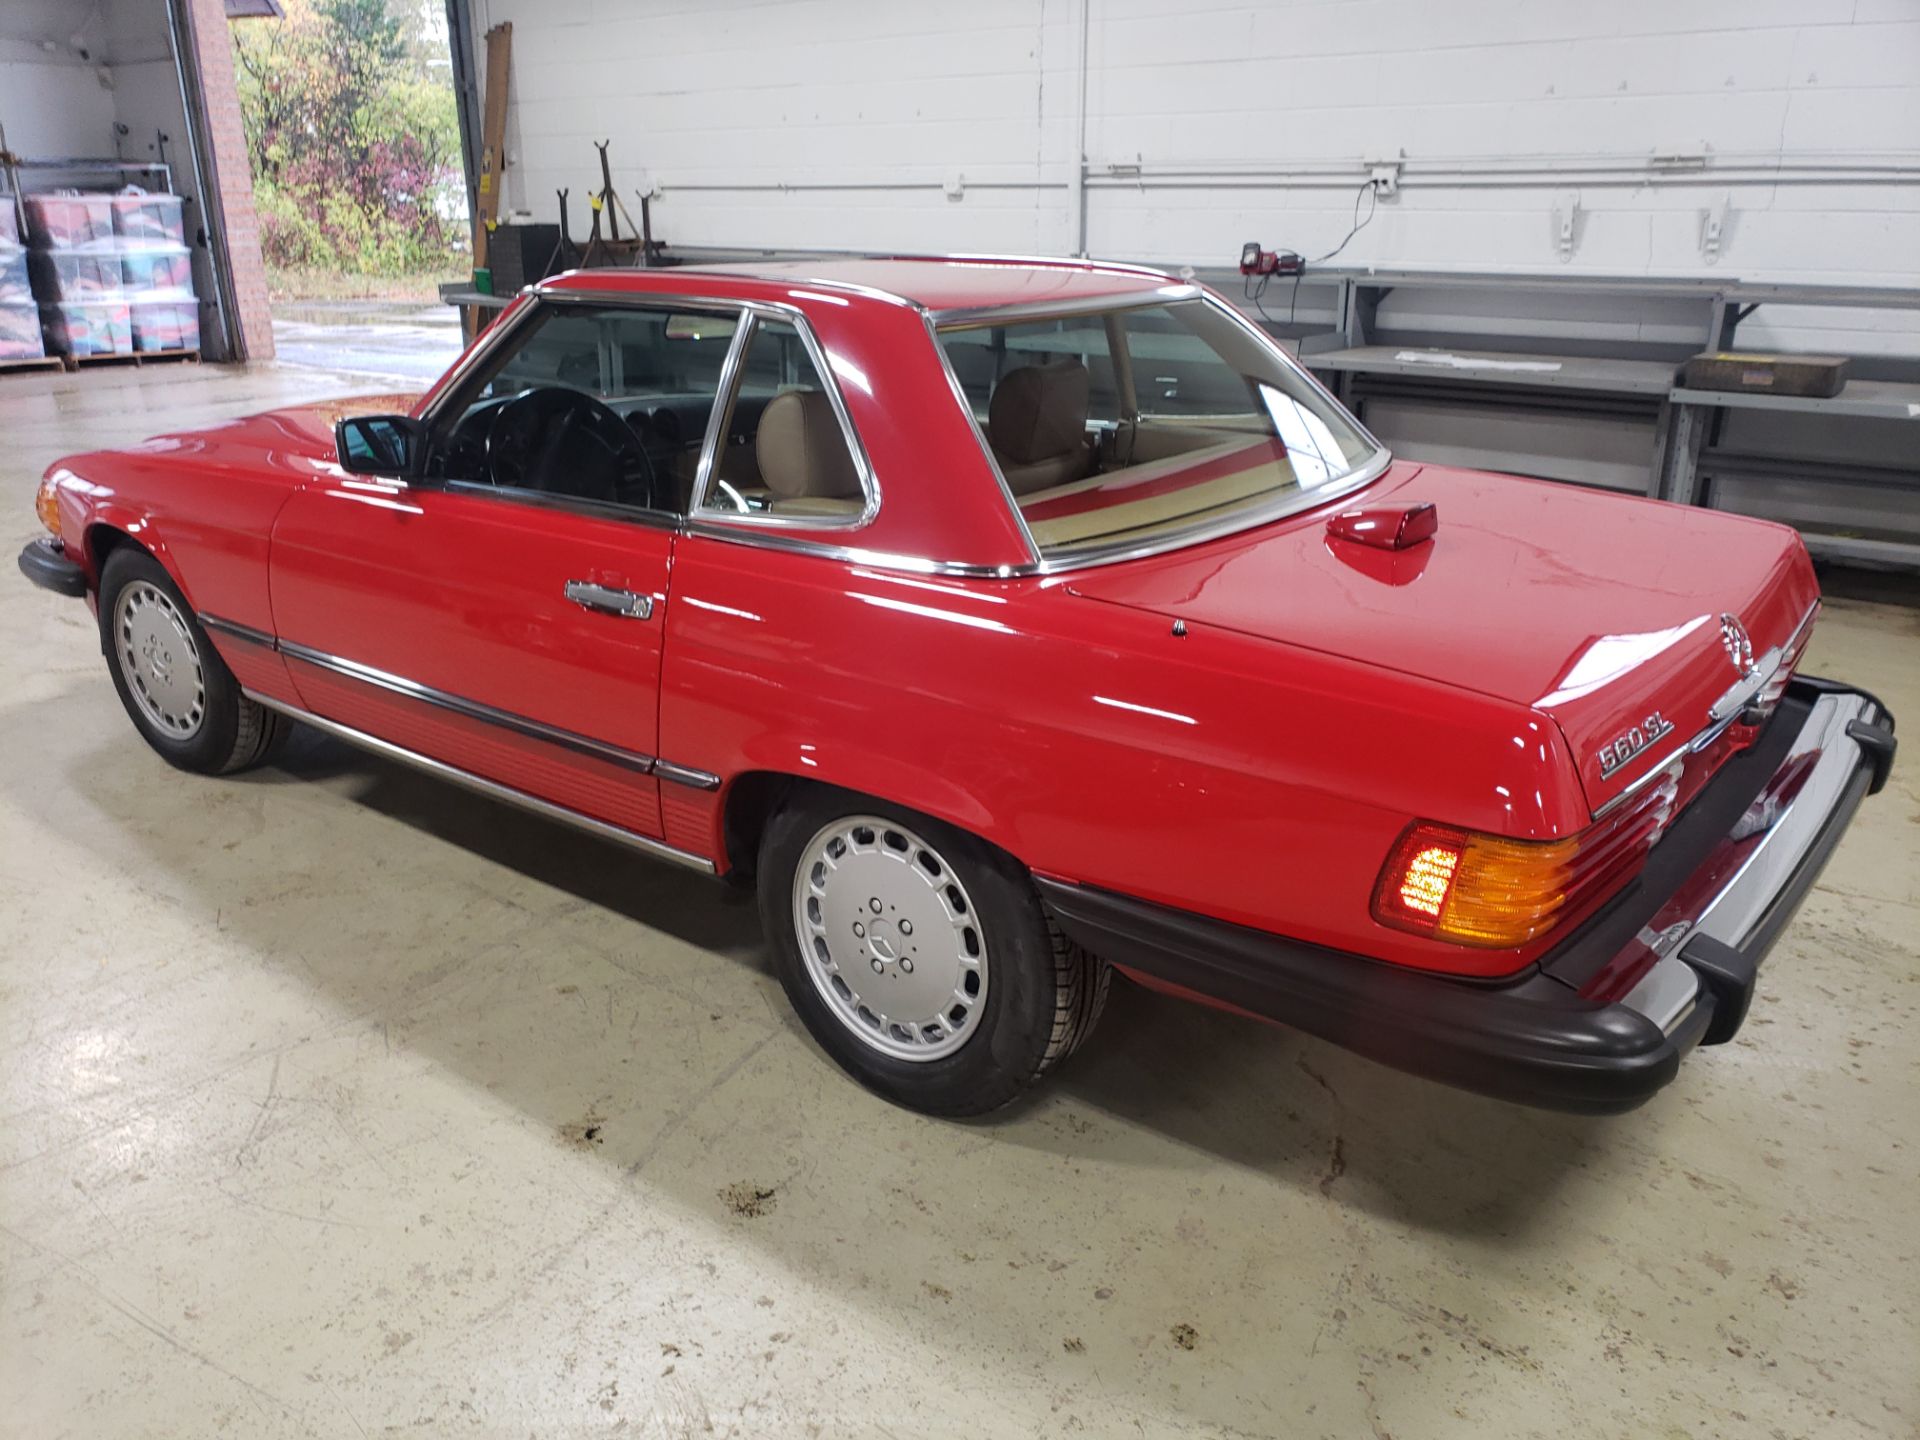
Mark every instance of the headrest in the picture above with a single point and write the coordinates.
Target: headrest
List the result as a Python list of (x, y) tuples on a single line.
[(1039, 412), (801, 449)]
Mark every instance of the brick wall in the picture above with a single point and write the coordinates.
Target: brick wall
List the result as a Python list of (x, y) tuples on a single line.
[(238, 224)]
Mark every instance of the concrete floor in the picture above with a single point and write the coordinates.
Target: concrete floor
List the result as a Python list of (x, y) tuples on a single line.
[(337, 1102)]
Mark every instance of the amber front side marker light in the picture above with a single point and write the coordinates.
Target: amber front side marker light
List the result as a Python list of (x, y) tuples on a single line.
[(46, 504)]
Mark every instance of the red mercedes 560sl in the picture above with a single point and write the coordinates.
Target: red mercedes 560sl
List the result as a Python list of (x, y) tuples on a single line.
[(1007, 621)]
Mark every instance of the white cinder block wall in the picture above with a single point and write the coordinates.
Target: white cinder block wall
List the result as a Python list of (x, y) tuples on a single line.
[(880, 123)]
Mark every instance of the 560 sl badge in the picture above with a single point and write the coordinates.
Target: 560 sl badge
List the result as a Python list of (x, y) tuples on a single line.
[(1619, 751)]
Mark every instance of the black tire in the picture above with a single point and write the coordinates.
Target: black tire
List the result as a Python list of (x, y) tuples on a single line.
[(1042, 1000), (233, 732)]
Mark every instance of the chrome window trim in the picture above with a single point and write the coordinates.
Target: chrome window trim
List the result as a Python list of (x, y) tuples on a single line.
[(961, 317), (744, 271), (1766, 668), (1049, 262), (980, 438), (759, 311), (633, 839), (471, 709), (1205, 531), (516, 320)]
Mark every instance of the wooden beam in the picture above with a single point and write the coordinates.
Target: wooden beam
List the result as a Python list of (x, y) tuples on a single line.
[(493, 139)]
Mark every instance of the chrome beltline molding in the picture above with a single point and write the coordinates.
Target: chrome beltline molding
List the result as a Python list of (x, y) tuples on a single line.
[(460, 705), (492, 789)]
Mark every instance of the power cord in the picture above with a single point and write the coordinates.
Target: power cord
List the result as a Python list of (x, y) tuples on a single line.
[(1255, 292)]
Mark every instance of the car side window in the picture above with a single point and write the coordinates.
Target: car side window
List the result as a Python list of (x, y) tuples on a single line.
[(600, 403), (783, 450)]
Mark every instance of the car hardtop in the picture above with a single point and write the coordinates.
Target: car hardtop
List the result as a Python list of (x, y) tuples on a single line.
[(939, 285)]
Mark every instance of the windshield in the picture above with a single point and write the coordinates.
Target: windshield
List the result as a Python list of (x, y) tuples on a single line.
[(1123, 426)]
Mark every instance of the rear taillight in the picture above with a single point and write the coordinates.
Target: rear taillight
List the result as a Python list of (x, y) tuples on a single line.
[(1488, 891)]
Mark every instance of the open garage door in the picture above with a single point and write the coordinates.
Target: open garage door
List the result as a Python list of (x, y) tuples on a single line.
[(111, 187)]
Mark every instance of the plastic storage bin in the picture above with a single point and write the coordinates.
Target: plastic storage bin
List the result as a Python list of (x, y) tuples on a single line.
[(146, 219), (20, 331), (82, 273), (168, 268), (14, 284), (63, 219), (89, 327), (165, 324)]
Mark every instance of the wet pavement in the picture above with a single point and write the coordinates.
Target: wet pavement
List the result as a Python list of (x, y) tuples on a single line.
[(404, 340)]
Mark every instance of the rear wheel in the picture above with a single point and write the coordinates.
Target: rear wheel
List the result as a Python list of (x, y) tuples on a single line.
[(178, 692), (918, 956)]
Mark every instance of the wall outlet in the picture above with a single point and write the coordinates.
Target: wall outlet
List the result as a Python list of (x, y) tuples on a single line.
[(1385, 175)]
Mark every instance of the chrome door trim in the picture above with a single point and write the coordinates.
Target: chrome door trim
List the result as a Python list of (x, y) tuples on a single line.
[(646, 844), (471, 709), (235, 630), (686, 775)]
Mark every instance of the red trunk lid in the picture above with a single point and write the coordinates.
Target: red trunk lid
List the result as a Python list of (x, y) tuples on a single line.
[(1597, 609)]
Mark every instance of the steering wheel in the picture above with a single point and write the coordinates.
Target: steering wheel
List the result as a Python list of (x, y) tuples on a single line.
[(566, 442)]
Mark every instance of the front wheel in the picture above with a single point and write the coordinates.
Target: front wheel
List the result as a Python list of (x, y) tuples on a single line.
[(180, 695), (918, 956)]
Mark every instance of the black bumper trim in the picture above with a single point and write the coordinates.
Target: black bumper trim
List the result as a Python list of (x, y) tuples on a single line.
[(44, 561), (1534, 1039)]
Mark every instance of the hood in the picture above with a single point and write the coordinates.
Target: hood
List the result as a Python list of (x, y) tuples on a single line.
[(1599, 610), (293, 432)]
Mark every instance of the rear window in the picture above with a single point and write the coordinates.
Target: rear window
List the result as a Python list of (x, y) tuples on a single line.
[(1119, 427)]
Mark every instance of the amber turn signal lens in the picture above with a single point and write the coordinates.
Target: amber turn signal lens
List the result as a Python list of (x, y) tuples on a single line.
[(1487, 891), (46, 506)]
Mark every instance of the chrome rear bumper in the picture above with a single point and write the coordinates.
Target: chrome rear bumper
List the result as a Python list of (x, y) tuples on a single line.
[(1710, 935)]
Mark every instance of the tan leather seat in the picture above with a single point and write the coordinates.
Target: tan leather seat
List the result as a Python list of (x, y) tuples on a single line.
[(1037, 425), (803, 457)]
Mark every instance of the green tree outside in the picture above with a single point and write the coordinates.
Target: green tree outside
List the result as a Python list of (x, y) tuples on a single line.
[(351, 126)]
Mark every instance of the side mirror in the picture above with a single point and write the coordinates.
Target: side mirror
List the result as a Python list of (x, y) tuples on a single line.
[(392, 446)]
